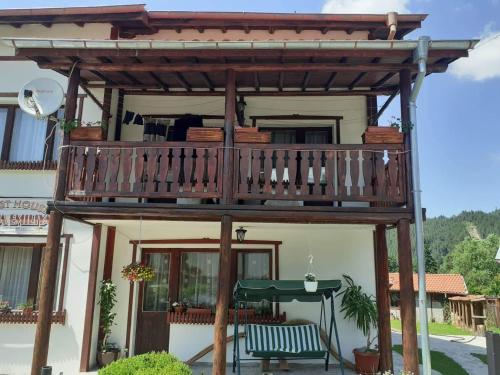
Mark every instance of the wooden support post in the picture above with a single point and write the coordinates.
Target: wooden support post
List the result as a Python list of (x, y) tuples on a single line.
[(383, 299), (407, 295), (223, 296), (405, 90), (90, 305), (49, 270)]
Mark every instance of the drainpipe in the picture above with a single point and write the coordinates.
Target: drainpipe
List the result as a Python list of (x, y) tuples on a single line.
[(420, 57), (392, 23)]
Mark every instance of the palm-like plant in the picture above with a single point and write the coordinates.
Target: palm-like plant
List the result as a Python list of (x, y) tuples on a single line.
[(360, 307)]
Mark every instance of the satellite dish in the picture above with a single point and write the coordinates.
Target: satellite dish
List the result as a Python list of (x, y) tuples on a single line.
[(41, 97)]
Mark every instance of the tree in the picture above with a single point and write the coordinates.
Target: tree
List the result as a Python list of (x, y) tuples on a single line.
[(393, 264), (431, 265), (475, 260)]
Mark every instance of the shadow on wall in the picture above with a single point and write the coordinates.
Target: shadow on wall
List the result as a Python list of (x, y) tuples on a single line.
[(16, 348)]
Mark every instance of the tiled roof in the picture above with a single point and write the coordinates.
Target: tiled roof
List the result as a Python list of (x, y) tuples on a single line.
[(435, 283)]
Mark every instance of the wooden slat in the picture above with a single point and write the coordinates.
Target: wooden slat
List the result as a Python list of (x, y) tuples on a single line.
[(256, 167), (317, 172), (243, 161), (304, 173), (152, 160), (103, 167), (139, 169), (331, 158), (268, 167), (126, 157), (188, 168), (341, 171), (200, 169), (176, 168), (114, 166), (280, 170), (355, 191), (212, 169), (90, 169), (392, 167), (78, 168), (368, 163), (380, 175), (163, 170), (292, 173)]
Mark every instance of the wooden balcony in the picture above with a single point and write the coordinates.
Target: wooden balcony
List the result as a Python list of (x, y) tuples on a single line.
[(296, 175)]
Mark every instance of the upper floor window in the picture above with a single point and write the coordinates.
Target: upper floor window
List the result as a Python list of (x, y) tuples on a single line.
[(24, 138)]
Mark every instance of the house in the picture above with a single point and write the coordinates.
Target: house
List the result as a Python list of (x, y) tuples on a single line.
[(439, 288), (282, 101)]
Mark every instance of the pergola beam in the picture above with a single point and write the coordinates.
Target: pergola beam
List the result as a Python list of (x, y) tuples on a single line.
[(331, 80), (143, 92), (244, 67)]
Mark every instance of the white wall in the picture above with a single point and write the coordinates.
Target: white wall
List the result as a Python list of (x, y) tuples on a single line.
[(337, 249), (16, 340)]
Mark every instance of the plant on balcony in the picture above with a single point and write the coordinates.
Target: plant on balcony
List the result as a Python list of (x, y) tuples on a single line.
[(107, 299), (404, 126), (360, 307), (5, 307), (178, 307), (137, 272), (27, 307)]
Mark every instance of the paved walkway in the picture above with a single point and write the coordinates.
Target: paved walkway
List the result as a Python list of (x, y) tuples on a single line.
[(456, 347)]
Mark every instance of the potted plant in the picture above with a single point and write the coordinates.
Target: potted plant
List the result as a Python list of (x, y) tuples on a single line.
[(108, 352), (360, 307), (83, 130), (177, 307), (27, 308), (310, 282), (135, 271), (199, 310), (4, 307), (393, 134)]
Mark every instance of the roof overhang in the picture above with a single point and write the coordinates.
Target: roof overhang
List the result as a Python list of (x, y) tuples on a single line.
[(336, 67)]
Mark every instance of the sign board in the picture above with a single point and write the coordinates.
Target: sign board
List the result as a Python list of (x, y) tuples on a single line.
[(23, 216)]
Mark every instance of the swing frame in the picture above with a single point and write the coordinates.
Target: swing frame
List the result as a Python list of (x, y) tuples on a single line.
[(246, 291)]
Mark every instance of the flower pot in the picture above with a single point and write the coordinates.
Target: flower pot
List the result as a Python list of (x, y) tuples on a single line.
[(198, 311), (88, 133), (366, 362), (382, 134), (105, 358), (311, 286), (178, 309)]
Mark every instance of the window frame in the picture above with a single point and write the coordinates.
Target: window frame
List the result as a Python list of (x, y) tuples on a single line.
[(36, 269), (175, 267), (300, 131)]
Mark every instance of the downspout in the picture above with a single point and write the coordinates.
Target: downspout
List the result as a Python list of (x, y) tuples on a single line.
[(420, 57), (392, 23)]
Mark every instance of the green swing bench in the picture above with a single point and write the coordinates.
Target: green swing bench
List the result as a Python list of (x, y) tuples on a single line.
[(283, 341)]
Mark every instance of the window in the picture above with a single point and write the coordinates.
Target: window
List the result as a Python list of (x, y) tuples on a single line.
[(20, 274), (156, 291), (25, 138), (28, 138), (199, 278), (301, 135)]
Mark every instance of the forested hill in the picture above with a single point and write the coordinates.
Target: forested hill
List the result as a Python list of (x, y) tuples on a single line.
[(443, 233)]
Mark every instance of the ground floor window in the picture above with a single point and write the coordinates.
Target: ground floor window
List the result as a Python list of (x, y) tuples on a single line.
[(20, 274), (190, 276)]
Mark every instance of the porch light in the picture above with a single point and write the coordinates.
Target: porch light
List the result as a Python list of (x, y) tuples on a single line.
[(240, 234)]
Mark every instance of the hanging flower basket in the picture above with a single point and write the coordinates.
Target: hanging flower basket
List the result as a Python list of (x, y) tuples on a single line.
[(138, 272)]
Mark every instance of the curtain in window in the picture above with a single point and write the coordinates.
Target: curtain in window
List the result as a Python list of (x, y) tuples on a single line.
[(28, 138), (283, 136), (156, 290), (15, 266), (3, 120), (58, 136), (199, 278), (316, 137), (253, 266)]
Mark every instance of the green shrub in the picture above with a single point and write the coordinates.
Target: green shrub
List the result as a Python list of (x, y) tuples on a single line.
[(147, 364)]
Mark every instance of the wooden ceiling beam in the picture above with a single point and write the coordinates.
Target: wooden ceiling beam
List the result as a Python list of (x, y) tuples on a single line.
[(206, 78), (123, 72), (388, 76), (256, 79), (155, 77), (178, 76), (332, 77), (360, 76), (245, 67)]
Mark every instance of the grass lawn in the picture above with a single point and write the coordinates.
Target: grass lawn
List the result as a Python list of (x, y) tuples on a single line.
[(494, 329), (481, 357), (441, 329), (439, 361)]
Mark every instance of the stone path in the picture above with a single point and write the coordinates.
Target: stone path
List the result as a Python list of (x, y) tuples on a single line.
[(456, 347)]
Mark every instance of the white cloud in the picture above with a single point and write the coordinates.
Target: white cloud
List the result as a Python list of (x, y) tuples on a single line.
[(365, 6), (483, 61)]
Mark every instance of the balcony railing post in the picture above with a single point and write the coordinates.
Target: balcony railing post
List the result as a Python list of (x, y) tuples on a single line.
[(405, 90)]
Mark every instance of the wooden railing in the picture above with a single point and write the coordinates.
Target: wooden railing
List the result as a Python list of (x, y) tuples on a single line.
[(263, 172), (145, 170), (354, 173)]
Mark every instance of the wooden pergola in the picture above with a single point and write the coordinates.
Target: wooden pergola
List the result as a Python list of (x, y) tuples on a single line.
[(240, 68)]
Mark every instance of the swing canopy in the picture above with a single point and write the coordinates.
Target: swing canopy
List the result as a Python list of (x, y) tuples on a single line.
[(283, 290)]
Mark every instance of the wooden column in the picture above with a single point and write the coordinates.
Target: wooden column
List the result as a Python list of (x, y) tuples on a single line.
[(383, 299), (90, 305), (49, 266), (405, 91), (223, 295), (407, 297)]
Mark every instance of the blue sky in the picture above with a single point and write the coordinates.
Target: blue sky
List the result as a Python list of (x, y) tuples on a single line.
[(458, 112)]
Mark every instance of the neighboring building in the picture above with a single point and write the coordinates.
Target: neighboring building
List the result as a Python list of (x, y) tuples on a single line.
[(311, 81), (439, 287)]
